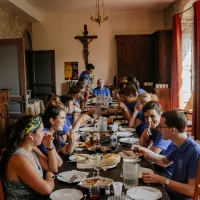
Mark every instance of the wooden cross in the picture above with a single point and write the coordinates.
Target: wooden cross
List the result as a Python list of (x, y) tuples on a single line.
[(85, 40)]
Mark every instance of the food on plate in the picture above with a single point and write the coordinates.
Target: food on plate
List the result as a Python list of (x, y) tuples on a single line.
[(96, 181), (111, 159), (80, 158)]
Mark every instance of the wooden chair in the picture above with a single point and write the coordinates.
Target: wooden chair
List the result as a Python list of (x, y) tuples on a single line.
[(197, 185), (188, 114)]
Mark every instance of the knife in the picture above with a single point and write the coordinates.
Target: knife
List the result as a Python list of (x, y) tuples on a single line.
[(72, 179)]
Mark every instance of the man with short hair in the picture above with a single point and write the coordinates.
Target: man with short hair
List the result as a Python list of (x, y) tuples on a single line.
[(152, 138), (101, 90), (88, 72), (184, 157)]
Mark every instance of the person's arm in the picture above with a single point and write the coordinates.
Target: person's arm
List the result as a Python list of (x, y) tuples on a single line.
[(81, 120), (1, 191), (85, 101), (145, 140), (108, 92), (69, 147), (134, 121), (26, 173), (126, 113), (150, 155), (182, 188)]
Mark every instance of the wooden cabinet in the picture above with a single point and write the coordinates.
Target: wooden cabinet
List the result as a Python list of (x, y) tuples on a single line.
[(164, 98), (135, 56), (162, 56), (4, 116)]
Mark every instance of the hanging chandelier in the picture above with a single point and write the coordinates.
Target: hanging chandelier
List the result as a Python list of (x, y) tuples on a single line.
[(101, 13)]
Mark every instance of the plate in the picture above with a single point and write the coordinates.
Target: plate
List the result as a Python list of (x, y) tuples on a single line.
[(127, 129), (144, 193), (116, 117), (91, 129), (129, 140), (87, 129), (66, 176), (124, 134), (100, 181), (142, 170), (79, 157), (69, 194), (80, 144)]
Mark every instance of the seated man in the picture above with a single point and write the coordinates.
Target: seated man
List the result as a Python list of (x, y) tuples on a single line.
[(152, 138), (101, 90), (128, 96), (184, 157)]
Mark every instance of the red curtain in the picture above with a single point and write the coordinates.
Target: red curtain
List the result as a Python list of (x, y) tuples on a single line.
[(196, 98), (176, 81)]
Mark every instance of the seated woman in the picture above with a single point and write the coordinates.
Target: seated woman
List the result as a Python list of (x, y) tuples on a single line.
[(54, 119), (23, 163), (138, 120), (129, 96)]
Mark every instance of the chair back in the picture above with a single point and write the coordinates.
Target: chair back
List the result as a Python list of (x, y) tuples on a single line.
[(197, 184)]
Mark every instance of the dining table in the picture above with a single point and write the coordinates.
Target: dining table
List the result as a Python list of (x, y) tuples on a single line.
[(113, 174)]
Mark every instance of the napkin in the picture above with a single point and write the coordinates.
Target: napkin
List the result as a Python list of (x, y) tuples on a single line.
[(140, 193), (85, 165)]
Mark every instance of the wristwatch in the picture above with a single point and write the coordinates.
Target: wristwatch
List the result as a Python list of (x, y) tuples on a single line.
[(167, 181)]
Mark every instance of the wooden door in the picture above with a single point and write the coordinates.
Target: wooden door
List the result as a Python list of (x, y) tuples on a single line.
[(143, 46), (126, 56), (43, 73), (13, 74)]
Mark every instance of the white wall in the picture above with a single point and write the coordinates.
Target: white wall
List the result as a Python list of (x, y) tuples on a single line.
[(57, 33)]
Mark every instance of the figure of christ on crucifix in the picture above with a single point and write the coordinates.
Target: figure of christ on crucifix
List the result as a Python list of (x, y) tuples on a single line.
[(85, 40)]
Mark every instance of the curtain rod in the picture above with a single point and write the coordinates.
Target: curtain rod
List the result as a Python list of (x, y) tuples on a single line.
[(185, 10)]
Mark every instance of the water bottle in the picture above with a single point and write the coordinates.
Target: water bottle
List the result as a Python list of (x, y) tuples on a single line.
[(113, 142)]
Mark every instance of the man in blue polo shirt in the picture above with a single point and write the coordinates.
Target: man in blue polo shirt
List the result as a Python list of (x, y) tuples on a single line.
[(101, 90), (152, 138), (184, 157), (88, 72)]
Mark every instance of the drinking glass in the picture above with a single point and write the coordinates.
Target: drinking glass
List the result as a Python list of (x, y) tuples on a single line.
[(98, 164), (88, 141), (94, 192), (130, 173)]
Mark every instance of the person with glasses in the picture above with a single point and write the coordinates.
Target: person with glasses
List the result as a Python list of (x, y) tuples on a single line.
[(152, 138), (23, 163), (184, 157)]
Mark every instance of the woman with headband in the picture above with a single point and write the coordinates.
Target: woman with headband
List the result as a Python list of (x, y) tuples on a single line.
[(23, 163)]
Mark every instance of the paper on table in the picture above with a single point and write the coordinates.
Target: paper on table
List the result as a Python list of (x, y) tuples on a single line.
[(140, 193)]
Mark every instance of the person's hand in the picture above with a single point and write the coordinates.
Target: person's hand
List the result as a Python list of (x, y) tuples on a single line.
[(139, 149), (85, 119), (47, 140), (136, 110), (122, 105), (146, 134), (153, 178), (73, 136), (49, 175)]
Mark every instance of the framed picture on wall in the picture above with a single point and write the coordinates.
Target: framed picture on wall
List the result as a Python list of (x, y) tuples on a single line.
[(71, 70)]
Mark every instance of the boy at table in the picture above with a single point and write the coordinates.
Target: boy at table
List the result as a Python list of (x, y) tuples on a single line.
[(152, 138), (184, 157)]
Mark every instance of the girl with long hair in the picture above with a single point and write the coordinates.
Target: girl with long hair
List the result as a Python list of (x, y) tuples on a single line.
[(23, 163)]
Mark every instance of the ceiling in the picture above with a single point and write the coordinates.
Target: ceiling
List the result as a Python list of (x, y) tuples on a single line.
[(54, 6)]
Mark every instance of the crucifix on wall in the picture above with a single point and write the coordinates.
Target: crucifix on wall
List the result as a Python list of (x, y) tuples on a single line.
[(85, 40)]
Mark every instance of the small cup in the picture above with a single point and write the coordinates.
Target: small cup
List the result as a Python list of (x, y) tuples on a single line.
[(117, 186), (166, 86), (160, 86)]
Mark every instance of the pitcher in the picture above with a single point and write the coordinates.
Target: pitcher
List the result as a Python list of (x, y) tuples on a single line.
[(101, 124), (131, 171)]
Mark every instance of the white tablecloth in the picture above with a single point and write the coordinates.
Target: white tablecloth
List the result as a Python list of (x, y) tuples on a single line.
[(35, 108)]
